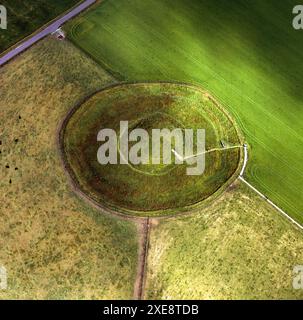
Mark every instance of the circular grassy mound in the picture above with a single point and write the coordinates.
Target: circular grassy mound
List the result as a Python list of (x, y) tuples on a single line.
[(149, 189)]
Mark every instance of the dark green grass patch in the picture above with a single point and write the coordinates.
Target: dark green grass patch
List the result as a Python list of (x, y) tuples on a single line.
[(24, 17), (148, 188)]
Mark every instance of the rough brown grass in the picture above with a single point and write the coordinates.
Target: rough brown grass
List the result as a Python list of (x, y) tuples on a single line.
[(238, 248), (53, 244)]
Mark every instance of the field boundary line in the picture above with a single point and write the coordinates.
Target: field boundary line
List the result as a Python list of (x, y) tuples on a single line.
[(263, 195)]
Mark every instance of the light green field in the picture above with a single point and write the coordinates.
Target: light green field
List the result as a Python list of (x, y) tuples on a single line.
[(237, 248), (53, 245), (245, 53), (150, 189)]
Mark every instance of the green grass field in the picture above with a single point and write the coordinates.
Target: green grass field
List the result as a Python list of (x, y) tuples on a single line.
[(25, 17), (245, 53), (151, 188), (237, 248)]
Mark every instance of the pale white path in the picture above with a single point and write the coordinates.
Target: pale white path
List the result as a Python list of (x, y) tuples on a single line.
[(261, 194), (201, 153), (245, 160)]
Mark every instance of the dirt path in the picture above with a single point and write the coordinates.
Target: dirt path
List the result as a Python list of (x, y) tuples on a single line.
[(143, 231)]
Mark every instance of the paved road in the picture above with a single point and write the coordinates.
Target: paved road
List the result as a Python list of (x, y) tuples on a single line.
[(45, 32)]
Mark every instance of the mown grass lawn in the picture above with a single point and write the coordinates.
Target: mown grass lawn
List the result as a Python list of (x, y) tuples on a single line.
[(244, 52)]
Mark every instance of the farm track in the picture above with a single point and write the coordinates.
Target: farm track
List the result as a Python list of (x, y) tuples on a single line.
[(144, 233)]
